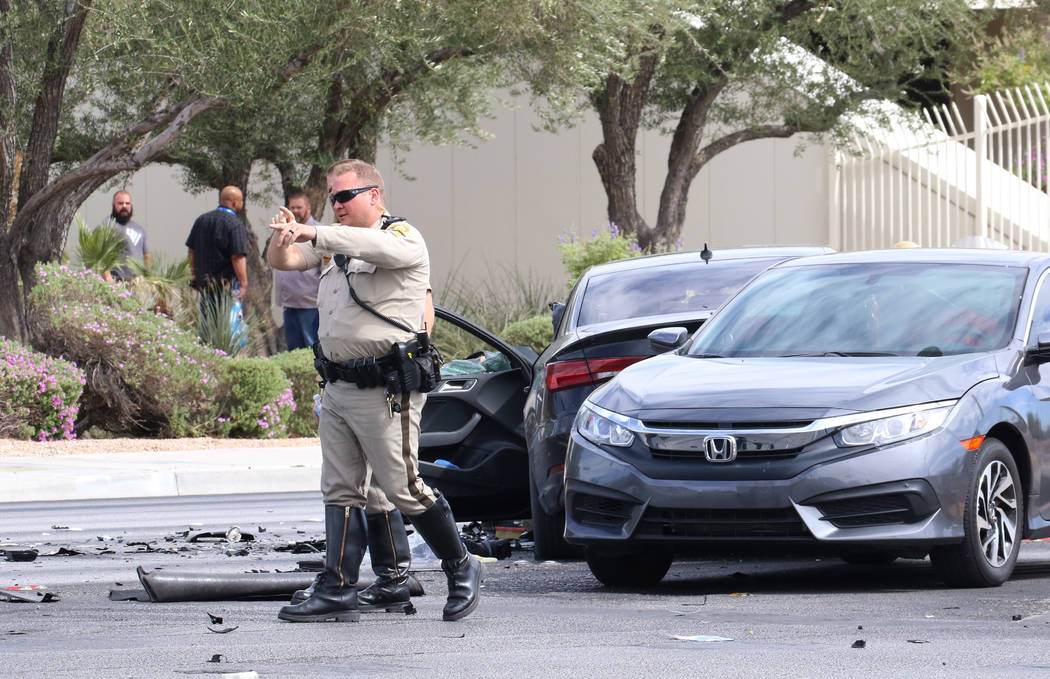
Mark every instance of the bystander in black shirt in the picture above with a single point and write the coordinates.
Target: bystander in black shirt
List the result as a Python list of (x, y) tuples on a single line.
[(215, 237)]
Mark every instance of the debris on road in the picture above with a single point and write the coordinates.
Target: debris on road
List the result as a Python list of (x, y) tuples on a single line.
[(859, 643), (32, 594), (20, 554), (701, 638)]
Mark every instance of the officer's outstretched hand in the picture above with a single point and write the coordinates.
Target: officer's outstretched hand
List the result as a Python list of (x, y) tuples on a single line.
[(288, 231)]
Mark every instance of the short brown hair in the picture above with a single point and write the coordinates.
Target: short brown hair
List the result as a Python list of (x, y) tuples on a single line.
[(365, 171)]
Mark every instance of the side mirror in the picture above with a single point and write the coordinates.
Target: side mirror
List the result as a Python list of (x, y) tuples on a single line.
[(557, 311), (1041, 352), (665, 339)]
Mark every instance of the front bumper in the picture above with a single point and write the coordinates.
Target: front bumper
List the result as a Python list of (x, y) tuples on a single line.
[(904, 496)]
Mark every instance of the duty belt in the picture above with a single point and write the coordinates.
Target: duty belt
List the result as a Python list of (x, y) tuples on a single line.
[(364, 372)]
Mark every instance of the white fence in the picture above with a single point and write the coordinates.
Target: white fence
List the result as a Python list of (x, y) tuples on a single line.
[(938, 182)]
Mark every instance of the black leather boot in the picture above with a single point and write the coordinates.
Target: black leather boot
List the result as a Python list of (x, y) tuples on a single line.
[(391, 558), (464, 572), (335, 590)]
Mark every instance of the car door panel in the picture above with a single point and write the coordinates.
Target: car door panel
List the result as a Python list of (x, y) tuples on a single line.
[(471, 444)]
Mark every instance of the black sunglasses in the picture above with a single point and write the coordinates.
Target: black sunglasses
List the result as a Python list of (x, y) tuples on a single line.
[(349, 194)]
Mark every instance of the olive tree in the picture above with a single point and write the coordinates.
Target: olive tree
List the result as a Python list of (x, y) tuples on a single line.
[(93, 88), (716, 73)]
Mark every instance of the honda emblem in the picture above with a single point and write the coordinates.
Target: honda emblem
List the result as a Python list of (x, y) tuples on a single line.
[(719, 448)]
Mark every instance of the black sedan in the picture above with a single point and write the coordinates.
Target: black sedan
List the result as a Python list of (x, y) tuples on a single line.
[(875, 405), (474, 447)]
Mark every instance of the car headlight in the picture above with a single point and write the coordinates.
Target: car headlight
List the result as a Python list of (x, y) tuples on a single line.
[(893, 429), (601, 430)]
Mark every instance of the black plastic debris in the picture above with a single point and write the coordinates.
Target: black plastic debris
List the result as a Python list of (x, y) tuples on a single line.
[(215, 619), (918, 641), (234, 534), (1016, 617), (224, 630), (27, 595), (859, 643), (500, 549), (216, 658), (304, 547), (64, 551), (20, 554)]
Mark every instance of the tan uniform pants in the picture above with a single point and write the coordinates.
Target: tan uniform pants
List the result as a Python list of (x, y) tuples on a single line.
[(363, 447)]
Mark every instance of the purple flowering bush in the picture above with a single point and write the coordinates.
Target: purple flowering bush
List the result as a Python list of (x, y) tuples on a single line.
[(298, 366), (38, 394), (261, 398), (578, 254), (144, 374)]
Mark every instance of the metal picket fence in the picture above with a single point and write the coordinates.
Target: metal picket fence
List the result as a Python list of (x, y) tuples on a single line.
[(943, 180)]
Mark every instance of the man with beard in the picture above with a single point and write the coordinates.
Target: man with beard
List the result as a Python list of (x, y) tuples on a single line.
[(134, 235)]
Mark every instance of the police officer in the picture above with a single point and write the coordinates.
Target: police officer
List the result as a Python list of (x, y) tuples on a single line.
[(369, 425)]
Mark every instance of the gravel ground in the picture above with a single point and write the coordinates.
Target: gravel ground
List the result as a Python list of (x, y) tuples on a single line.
[(19, 448)]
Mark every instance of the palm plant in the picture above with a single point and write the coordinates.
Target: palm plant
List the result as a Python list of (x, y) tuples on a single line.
[(163, 279), (100, 249)]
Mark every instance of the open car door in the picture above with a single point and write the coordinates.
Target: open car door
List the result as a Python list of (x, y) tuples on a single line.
[(472, 442)]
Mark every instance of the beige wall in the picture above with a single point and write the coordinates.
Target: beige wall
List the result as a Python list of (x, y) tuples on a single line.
[(503, 205)]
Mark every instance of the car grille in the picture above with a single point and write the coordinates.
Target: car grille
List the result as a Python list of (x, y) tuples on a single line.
[(878, 510), (722, 523), (752, 455)]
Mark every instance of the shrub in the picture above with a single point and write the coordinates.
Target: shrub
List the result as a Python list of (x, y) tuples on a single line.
[(603, 246), (143, 373), (536, 332), (261, 398), (298, 366), (39, 394)]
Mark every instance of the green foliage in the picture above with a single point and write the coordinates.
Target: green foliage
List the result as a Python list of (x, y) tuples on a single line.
[(298, 366), (1020, 56), (100, 249), (502, 299), (224, 325), (38, 393), (261, 398), (144, 374), (578, 255), (536, 332)]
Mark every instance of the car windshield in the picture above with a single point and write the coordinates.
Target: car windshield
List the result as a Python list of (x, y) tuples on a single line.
[(882, 309), (664, 290)]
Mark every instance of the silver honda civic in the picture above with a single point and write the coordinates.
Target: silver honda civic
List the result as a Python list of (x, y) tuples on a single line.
[(877, 405)]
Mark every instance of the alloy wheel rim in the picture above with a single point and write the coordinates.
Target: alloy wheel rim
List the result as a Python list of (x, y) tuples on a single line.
[(997, 513)]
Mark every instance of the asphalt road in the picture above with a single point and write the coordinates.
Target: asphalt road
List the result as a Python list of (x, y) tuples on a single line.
[(799, 617)]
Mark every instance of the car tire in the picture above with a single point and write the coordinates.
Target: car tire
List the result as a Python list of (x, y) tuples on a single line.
[(548, 532), (633, 569), (993, 522)]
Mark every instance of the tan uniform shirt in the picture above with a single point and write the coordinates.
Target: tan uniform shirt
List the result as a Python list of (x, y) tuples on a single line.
[(390, 271)]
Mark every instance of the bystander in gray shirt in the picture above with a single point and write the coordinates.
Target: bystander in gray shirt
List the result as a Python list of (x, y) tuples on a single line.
[(134, 244), (297, 289)]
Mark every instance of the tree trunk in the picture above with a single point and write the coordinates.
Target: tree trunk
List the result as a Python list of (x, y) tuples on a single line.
[(619, 105)]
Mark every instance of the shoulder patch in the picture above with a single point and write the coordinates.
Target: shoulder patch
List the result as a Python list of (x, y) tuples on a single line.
[(400, 228)]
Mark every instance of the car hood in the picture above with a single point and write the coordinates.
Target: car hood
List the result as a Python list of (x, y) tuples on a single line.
[(663, 385)]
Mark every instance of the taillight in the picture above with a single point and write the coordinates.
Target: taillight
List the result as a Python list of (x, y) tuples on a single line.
[(565, 374)]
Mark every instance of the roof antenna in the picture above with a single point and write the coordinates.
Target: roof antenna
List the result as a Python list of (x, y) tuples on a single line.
[(706, 254)]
